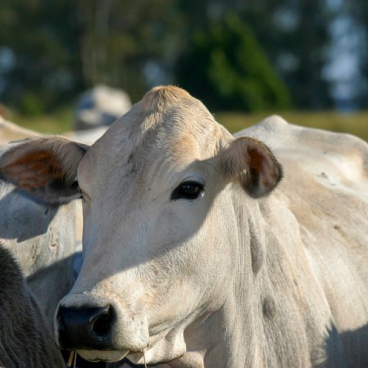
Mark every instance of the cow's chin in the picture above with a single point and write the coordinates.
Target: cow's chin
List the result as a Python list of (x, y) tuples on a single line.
[(104, 356), (163, 349)]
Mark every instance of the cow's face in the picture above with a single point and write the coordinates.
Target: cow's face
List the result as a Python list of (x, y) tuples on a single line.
[(159, 227)]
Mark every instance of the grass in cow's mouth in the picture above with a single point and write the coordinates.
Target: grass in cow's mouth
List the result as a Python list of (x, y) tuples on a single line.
[(144, 358), (72, 361)]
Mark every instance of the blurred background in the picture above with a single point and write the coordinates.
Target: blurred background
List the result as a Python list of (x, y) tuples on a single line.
[(306, 60)]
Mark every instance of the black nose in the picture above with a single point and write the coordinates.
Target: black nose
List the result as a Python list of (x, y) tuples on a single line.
[(85, 328)]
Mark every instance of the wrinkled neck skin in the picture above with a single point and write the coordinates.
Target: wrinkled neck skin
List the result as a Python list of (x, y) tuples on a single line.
[(264, 319)]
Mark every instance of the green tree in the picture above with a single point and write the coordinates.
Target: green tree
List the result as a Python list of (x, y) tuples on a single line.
[(62, 47), (295, 36), (357, 11), (42, 37), (120, 37), (226, 68)]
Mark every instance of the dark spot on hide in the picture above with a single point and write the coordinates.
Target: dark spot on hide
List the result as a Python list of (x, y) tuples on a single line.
[(341, 231), (269, 307), (133, 170), (323, 175), (256, 256)]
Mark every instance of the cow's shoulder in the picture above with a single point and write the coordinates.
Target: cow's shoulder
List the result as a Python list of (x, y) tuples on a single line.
[(325, 182), (281, 135), (314, 152)]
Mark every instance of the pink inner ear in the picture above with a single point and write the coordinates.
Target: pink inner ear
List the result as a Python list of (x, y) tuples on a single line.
[(255, 159), (264, 171), (34, 169), (255, 165)]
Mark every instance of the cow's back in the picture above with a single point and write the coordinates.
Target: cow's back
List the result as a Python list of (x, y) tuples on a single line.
[(325, 186), (25, 340), (11, 132)]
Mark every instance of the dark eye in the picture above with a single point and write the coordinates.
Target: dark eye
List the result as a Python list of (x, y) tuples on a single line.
[(76, 185), (188, 190)]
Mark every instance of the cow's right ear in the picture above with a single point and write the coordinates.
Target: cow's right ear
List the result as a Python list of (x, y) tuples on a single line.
[(44, 167)]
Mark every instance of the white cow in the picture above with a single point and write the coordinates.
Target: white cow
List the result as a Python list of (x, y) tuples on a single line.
[(190, 260), (100, 106)]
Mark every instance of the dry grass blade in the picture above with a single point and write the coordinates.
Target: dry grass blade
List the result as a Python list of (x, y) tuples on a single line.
[(72, 361), (144, 358)]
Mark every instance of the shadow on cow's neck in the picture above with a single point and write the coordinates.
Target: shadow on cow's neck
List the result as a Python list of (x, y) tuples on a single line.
[(23, 216)]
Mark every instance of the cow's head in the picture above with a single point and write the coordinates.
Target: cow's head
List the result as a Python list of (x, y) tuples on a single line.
[(160, 223)]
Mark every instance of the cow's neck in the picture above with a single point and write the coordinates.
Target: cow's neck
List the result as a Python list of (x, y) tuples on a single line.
[(279, 297), (264, 320)]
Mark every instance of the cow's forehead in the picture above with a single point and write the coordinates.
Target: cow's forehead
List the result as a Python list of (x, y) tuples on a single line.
[(168, 125)]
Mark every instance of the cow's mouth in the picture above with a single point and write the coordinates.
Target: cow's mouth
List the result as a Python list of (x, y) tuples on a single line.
[(102, 356), (98, 329), (164, 347), (162, 351)]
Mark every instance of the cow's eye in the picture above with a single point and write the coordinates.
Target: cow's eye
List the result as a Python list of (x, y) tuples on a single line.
[(188, 190)]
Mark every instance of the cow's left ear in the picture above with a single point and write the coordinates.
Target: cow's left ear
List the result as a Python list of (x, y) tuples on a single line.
[(253, 164), (44, 167)]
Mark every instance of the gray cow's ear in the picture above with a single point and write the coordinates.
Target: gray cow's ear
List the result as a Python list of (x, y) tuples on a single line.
[(251, 162), (44, 167)]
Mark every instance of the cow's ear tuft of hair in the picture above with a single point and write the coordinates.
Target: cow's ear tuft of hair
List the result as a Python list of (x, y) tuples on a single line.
[(44, 167), (253, 164)]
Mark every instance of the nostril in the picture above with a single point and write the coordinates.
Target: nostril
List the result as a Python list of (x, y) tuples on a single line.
[(61, 325), (101, 325), (87, 328)]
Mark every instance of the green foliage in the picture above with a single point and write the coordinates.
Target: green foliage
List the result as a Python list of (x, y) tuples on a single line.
[(41, 35), (62, 47), (226, 68), (354, 123), (59, 121), (30, 105), (295, 35), (358, 11), (119, 37)]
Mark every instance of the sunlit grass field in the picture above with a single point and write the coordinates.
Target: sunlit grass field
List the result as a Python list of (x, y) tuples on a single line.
[(58, 122), (354, 123)]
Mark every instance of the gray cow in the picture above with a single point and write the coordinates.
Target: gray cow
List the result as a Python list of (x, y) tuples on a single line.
[(25, 339), (40, 236)]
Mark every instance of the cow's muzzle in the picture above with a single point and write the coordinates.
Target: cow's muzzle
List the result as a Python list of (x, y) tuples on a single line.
[(85, 328)]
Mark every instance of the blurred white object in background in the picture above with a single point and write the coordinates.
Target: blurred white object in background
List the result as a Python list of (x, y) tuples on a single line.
[(100, 106)]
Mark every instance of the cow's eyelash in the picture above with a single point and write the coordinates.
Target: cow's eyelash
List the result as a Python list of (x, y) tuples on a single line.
[(80, 192)]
